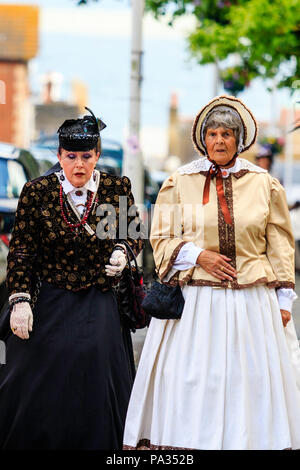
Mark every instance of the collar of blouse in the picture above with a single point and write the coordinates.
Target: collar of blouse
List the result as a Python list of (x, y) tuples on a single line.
[(79, 195), (90, 185), (226, 171)]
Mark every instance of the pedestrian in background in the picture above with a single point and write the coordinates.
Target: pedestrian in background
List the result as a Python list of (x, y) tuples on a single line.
[(264, 158), (227, 374), (68, 376)]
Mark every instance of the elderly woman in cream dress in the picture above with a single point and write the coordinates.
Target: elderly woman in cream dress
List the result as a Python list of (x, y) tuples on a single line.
[(227, 374)]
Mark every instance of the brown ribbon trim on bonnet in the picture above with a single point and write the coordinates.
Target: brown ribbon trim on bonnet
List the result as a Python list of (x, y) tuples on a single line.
[(215, 171)]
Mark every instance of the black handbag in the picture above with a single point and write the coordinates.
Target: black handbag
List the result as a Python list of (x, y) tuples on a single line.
[(130, 292), (163, 301)]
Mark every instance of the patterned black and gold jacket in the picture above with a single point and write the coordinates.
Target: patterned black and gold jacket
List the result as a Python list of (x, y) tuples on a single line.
[(43, 245)]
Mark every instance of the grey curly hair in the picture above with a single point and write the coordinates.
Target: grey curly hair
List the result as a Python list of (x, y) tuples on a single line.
[(225, 117)]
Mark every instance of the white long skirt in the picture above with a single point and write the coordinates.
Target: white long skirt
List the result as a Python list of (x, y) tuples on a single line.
[(224, 376)]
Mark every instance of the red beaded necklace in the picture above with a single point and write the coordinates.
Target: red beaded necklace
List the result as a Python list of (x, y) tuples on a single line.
[(84, 219)]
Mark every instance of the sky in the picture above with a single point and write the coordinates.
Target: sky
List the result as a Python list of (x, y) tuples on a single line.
[(92, 43)]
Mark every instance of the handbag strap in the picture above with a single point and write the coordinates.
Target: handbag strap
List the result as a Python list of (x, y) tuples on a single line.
[(130, 250), (162, 258), (157, 270)]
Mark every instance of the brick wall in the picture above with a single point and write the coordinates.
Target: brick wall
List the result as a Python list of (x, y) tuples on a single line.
[(14, 112)]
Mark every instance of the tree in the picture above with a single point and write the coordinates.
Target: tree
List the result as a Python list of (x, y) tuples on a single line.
[(263, 37)]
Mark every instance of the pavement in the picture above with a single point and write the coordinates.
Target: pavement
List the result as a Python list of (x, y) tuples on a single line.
[(138, 337)]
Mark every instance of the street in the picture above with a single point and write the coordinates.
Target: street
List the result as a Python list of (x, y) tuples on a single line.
[(139, 336)]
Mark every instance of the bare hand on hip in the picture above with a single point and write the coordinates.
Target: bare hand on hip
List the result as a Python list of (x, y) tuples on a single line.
[(217, 265), (286, 316)]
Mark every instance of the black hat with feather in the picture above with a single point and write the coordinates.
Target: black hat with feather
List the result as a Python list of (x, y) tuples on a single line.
[(80, 134)]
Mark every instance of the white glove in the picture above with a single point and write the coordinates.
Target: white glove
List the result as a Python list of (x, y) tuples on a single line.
[(117, 262), (21, 319)]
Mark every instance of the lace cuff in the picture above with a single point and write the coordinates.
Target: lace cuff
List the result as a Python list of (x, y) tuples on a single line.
[(186, 259), (19, 294), (187, 256), (286, 298)]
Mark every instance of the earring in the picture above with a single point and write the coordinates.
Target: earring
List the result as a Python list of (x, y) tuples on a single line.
[(94, 175), (61, 176)]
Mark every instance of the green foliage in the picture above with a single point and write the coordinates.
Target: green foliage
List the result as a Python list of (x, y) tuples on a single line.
[(235, 79), (263, 34), (215, 10)]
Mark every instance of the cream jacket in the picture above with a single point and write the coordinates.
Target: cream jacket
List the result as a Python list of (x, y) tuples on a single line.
[(259, 243)]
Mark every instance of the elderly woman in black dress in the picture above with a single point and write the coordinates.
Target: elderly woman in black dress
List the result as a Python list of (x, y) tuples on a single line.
[(68, 377)]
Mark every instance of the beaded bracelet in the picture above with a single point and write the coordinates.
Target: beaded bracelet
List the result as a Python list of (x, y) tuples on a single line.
[(19, 294), (18, 300), (119, 247)]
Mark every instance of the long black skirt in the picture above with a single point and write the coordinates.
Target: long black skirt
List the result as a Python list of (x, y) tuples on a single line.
[(68, 385)]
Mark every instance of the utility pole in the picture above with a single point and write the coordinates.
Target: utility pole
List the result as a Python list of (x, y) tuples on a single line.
[(289, 149), (133, 160), (273, 111), (216, 79)]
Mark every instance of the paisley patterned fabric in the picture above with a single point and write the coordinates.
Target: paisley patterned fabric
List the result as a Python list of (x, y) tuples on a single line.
[(42, 243)]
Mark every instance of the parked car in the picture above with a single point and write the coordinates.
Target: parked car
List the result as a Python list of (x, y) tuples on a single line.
[(111, 154), (48, 162), (45, 148), (16, 167)]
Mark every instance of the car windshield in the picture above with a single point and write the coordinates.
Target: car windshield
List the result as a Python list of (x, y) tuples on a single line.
[(12, 178)]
